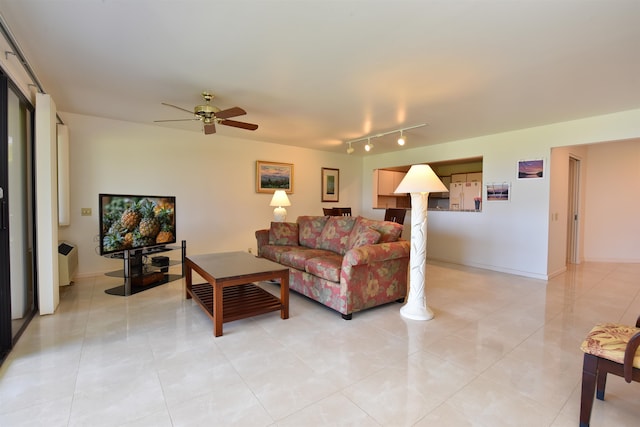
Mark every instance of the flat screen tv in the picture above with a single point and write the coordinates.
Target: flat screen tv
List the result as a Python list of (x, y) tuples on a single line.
[(135, 221)]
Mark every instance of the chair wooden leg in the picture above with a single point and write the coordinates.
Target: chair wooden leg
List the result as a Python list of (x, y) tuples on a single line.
[(589, 374), (601, 383)]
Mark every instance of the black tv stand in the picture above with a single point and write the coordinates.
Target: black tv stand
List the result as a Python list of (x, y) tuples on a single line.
[(140, 275)]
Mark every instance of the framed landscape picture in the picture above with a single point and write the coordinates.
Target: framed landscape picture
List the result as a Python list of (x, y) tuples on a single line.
[(271, 176), (330, 184), (498, 191), (531, 169)]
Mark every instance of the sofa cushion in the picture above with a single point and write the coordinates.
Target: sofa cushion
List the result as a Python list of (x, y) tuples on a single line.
[(335, 235), (368, 236), (326, 267), (274, 252), (389, 231), (297, 258), (310, 229), (283, 233)]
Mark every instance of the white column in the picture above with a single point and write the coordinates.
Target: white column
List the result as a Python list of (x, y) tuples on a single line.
[(46, 159), (416, 306)]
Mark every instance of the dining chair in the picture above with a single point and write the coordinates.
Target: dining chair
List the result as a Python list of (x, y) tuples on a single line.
[(342, 211), (395, 215), (328, 211), (609, 348)]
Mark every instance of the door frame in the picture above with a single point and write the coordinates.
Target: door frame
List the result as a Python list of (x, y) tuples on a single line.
[(8, 337), (573, 211)]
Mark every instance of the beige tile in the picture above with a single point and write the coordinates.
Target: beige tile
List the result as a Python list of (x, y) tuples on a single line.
[(471, 354), (336, 410), (402, 396), (286, 390), (231, 406), (54, 411), (494, 404), (447, 415)]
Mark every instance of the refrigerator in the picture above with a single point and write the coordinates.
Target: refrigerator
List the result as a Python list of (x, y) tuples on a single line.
[(461, 195)]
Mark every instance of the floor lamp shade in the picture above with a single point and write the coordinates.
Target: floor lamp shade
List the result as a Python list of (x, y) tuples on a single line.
[(419, 182), (279, 200), (421, 179)]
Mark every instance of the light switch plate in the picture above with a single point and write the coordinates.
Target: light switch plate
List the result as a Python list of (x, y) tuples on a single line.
[(85, 211)]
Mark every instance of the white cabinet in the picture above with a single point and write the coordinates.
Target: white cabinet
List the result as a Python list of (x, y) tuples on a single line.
[(467, 177), (385, 183), (388, 181), (474, 177), (459, 177)]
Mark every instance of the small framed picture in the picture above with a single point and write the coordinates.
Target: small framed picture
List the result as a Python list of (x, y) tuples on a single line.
[(498, 191), (531, 169), (330, 184), (271, 176)]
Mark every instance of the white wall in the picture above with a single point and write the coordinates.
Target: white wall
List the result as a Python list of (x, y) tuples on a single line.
[(212, 177), (612, 228), (506, 236)]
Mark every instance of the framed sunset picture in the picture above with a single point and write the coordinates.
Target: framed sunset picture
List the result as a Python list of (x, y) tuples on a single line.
[(531, 169)]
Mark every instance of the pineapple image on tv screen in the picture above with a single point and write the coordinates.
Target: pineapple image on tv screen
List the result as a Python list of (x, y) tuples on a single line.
[(132, 222)]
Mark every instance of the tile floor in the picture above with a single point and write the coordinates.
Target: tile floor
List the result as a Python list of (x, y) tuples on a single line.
[(503, 350)]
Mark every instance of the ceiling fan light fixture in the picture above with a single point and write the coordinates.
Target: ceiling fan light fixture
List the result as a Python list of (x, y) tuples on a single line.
[(211, 115)]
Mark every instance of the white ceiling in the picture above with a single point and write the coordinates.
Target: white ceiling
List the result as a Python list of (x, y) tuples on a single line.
[(315, 73)]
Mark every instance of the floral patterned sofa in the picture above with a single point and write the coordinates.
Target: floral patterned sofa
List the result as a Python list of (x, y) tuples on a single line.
[(346, 263)]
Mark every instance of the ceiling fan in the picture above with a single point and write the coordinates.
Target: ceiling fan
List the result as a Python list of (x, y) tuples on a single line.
[(209, 115)]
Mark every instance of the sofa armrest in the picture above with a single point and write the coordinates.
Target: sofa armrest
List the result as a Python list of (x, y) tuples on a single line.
[(262, 237), (379, 252)]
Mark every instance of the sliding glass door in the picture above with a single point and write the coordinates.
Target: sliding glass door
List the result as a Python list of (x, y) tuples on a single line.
[(17, 282)]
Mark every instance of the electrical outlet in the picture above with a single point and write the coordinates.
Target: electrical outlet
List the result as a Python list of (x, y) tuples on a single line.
[(85, 211)]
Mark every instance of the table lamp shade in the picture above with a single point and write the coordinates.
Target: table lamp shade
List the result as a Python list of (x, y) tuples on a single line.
[(421, 179), (280, 199)]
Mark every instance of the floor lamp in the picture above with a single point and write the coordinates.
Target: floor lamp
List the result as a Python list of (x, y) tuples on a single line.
[(419, 181)]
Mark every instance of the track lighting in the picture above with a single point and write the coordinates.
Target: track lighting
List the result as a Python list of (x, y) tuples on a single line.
[(350, 149), (368, 146), (401, 140)]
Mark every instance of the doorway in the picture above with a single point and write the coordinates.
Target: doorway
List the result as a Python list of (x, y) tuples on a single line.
[(573, 212)]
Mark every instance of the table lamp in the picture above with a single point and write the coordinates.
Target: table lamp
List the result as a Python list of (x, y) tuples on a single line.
[(279, 200), (419, 182)]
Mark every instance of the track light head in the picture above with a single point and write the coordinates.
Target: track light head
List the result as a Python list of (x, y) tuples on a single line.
[(350, 149), (369, 145), (401, 140)]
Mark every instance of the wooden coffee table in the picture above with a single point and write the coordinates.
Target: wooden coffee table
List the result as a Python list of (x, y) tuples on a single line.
[(229, 293)]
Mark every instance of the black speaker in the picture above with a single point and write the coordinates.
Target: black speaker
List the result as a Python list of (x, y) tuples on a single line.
[(161, 261)]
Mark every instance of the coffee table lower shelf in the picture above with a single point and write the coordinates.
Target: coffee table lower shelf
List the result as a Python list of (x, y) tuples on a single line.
[(238, 302)]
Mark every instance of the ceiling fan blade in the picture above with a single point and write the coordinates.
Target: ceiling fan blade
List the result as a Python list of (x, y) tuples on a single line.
[(179, 108), (242, 125), (209, 128), (177, 120), (230, 112)]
